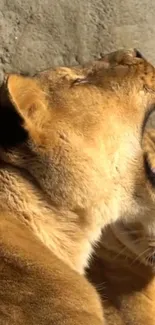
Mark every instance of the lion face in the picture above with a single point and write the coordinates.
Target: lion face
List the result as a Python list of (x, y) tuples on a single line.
[(78, 133)]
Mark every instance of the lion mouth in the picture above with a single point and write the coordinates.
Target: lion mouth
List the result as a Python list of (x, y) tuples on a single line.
[(148, 144), (151, 259), (148, 118), (150, 172)]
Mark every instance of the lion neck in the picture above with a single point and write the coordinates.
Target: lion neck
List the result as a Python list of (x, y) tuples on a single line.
[(69, 235)]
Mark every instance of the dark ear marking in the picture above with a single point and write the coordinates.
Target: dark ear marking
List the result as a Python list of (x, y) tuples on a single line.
[(12, 131)]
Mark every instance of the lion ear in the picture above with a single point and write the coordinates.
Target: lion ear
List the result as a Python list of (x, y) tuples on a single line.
[(24, 93), (148, 145), (18, 104)]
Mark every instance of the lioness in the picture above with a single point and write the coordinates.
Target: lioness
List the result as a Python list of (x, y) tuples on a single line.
[(123, 269), (71, 163)]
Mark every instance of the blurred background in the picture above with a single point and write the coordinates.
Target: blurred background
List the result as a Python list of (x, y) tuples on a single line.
[(37, 34)]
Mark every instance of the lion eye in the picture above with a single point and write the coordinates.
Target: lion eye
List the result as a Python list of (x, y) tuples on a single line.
[(80, 81)]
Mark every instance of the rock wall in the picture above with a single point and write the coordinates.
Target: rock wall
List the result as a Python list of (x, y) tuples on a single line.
[(37, 34)]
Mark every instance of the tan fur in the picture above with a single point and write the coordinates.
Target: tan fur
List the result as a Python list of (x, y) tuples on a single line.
[(71, 163), (123, 268)]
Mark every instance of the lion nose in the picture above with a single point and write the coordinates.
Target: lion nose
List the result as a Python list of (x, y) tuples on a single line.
[(138, 54)]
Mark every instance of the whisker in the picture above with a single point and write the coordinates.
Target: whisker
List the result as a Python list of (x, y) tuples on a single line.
[(120, 253), (140, 255), (125, 248), (130, 231), (150, 258), (100, 286)]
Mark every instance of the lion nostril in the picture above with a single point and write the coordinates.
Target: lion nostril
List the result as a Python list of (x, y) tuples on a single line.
[(138, 54)]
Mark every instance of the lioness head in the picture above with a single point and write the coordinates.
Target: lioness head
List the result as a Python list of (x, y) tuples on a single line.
[(76, 134)]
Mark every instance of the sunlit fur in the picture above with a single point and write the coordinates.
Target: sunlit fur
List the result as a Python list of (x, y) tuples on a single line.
[(72, 163), (123, 267)]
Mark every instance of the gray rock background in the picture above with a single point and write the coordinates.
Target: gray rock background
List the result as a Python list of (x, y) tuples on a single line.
[(37, 34)]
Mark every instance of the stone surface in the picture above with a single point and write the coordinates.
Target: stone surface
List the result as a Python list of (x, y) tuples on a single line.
[(37, 34)]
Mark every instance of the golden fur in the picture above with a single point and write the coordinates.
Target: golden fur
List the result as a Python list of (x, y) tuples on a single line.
[(123, 268), (72, 162)]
